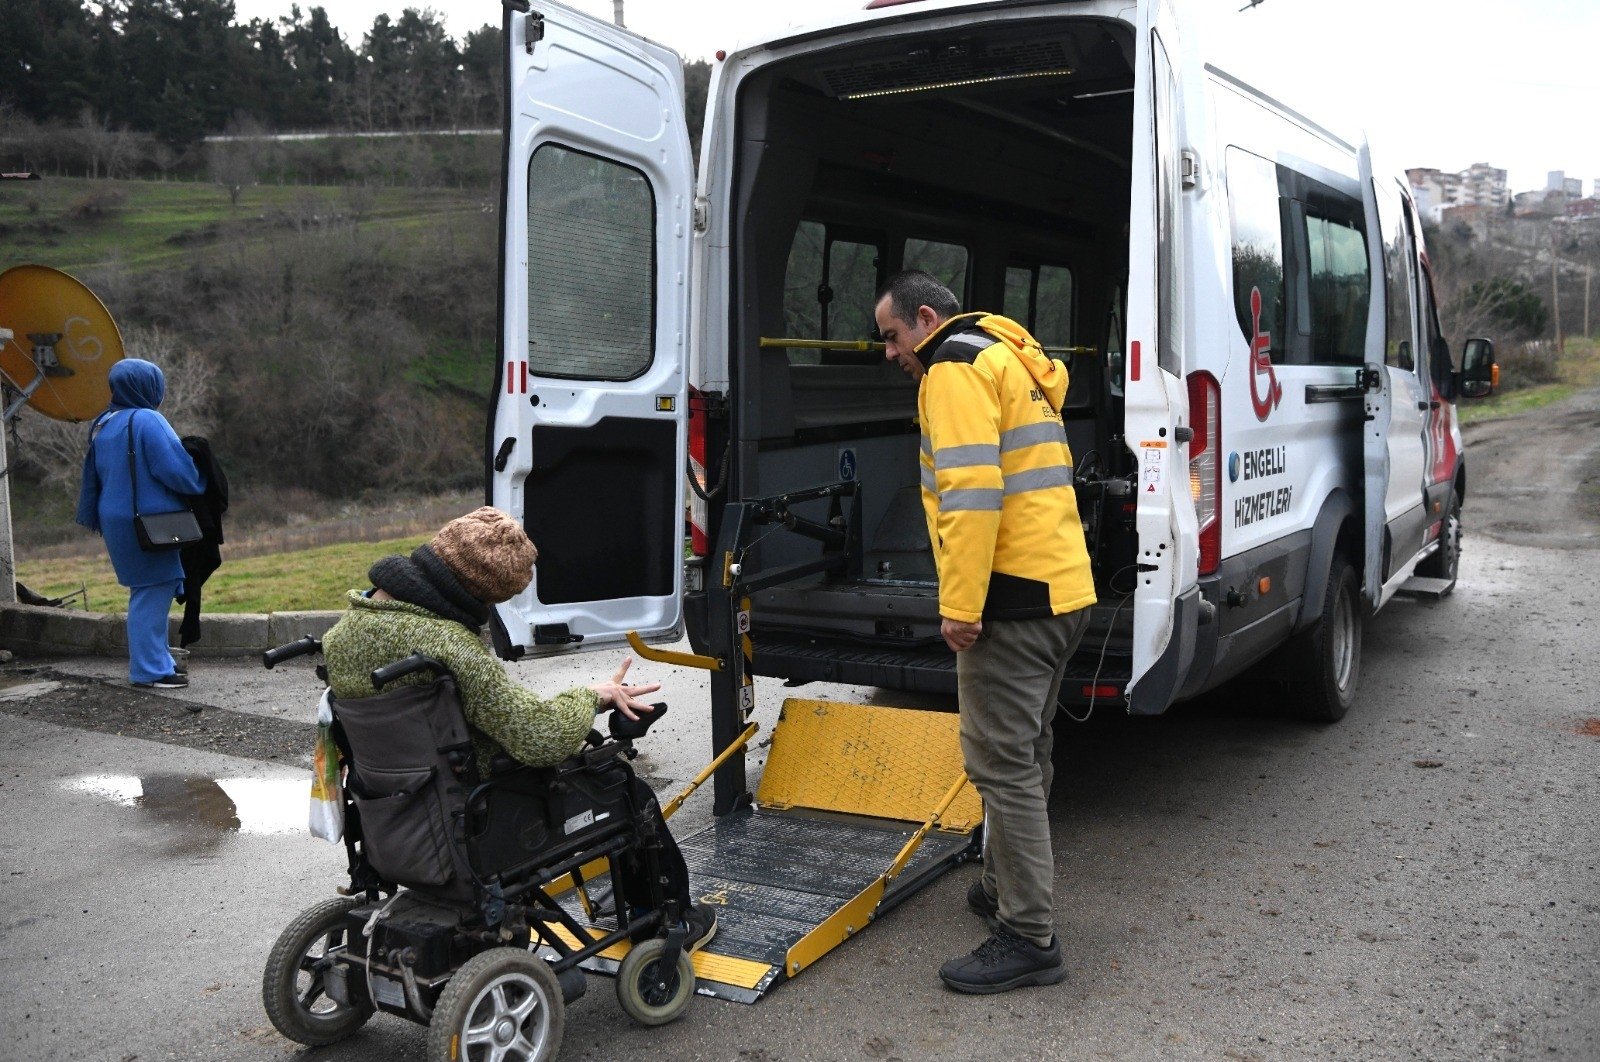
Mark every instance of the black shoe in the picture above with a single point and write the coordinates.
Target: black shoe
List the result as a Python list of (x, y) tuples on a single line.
[(702, 923), (983, 905), (174, 681), (1003, 962)]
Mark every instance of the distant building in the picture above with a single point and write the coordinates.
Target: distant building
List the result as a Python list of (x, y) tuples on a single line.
[(1480, 185), (1558, 181)]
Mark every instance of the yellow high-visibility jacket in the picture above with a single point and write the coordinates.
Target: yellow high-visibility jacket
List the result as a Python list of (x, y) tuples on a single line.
[(997, 474)]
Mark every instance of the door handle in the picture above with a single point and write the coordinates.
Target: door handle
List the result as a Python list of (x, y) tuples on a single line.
[(1427, 405)]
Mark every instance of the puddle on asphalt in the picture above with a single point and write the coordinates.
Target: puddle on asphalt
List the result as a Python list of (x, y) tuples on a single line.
[(211, 805), (21, 685)]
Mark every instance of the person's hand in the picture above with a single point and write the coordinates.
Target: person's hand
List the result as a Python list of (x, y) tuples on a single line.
[(958, 635), (624, 698)]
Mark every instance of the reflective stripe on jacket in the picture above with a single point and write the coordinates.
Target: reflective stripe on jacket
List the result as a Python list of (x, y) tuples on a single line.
[(997, 474)]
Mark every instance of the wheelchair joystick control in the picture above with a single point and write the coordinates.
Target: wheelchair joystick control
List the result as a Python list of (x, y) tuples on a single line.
[(625, 729)]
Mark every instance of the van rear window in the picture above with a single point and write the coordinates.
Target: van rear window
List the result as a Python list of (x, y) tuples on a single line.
[(591, 267)]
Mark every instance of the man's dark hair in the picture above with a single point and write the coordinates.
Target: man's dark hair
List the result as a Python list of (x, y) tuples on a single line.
[(912, 288)]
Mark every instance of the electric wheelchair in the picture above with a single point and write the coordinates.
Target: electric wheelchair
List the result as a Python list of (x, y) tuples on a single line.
[(450, 918)]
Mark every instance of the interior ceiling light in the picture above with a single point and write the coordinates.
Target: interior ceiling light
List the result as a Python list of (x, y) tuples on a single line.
[(1097, 95), (957, 83)]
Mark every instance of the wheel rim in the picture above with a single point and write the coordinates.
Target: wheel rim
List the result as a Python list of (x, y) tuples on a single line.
[(1343, 640), (508, 1019), (654, 989), (1452, 546), (310, 980)]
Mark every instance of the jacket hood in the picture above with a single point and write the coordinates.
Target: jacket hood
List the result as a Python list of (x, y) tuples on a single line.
[(1048, 373), (136, 384)]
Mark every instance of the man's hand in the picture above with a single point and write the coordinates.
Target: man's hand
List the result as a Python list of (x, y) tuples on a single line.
[(958, 635), (623, 698)]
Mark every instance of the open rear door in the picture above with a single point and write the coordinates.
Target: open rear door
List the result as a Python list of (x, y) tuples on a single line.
[(587, 432), (1165, 601)]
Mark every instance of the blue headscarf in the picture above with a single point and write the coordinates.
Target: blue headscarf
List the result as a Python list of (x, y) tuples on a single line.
[(135, 384)]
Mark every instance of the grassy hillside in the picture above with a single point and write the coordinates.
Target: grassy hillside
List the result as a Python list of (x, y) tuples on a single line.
[(76, 224), (286, 582)]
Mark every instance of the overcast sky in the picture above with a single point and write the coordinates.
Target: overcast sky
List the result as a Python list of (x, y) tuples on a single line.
[(1442, 83)]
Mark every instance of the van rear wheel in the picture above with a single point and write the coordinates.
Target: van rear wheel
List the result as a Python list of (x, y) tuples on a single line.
[(1446, 560), (1323, 663)]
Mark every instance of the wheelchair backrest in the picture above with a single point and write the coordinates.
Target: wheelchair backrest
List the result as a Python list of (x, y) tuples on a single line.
[(412, 767)]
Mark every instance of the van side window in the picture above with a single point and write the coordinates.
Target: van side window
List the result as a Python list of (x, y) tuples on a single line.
[(1397, 280), (802, 313), (851, 282), (947, 262), (828, 286), (1339, 289), (1040, 298), (591, 267), (1257, 248)]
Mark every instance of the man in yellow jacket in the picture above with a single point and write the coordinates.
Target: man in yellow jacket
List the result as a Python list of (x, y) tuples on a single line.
[(1014, 593)]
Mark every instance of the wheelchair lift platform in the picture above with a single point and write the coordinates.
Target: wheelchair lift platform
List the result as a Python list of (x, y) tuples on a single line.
[(859, 807)]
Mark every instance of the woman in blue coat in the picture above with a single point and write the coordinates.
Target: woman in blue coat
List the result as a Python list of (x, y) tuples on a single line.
[(105, 505)]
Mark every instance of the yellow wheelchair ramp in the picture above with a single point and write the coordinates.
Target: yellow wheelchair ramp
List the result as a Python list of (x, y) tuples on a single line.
[(859, 806)]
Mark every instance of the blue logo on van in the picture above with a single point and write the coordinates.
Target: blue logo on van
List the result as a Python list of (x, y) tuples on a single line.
[(1233, 467), (847, 466)]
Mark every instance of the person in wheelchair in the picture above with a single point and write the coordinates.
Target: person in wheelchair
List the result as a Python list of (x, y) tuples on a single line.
[(435, 602)]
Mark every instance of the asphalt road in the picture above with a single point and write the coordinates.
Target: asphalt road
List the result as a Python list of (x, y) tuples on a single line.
[(1418, 881)]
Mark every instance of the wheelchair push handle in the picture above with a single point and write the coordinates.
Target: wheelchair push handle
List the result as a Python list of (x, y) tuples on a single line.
[(388, 673), (301, 647)]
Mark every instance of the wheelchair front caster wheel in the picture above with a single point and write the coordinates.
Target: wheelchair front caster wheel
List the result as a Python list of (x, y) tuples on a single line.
[(293, 988), (650, 995), (504, 1003)]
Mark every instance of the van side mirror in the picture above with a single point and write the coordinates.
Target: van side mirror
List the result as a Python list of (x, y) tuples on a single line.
[(1479, 373)]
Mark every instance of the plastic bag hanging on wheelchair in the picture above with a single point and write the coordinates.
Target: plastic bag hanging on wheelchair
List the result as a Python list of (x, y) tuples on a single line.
[(327, 797)]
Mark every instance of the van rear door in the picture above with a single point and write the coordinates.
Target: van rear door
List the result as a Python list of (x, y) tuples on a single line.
[(587, 431), (1166, 591)]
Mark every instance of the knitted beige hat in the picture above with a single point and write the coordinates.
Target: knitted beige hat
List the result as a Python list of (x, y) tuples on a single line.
[(489, 553)]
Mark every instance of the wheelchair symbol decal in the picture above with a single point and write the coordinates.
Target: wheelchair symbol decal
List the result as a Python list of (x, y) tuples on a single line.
[(847, 466)]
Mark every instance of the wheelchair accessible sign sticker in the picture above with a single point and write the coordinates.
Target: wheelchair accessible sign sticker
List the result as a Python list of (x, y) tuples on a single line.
[(847, 465)]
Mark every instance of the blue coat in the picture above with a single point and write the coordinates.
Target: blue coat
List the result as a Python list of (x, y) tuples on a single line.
[(164, 468)]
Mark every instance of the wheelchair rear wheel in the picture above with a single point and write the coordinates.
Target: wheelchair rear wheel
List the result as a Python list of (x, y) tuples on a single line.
[(504, 1003), (293, 988), (649, 995)]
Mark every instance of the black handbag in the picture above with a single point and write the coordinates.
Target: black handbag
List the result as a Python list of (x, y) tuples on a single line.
[(159, 532)]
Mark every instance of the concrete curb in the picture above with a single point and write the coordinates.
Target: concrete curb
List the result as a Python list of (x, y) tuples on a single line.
[(40, 629)]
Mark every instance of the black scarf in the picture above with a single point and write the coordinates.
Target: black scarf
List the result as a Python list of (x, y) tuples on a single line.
[(424, 580)]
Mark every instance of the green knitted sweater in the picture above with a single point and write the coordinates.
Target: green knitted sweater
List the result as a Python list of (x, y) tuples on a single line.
[(503, 715)]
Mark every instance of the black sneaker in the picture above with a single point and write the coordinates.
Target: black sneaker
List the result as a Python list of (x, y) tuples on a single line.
[(1003, 962), (173, 681), (702, 923), (983, 905)]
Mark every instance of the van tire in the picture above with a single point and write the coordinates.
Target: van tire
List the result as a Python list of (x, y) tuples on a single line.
[(1445, 562), (1323, 662)]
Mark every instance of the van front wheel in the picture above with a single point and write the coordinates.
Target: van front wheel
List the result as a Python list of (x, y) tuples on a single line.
[(1323, 663)]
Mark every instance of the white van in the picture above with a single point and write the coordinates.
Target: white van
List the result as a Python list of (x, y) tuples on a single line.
[(1260, 405)]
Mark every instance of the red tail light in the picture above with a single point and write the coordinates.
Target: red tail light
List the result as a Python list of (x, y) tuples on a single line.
[(699, 544), (1205, 466)]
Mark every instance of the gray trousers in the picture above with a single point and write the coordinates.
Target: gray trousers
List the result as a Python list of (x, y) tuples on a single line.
[(1008, 684)]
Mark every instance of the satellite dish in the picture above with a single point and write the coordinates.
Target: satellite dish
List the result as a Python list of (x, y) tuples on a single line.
[(63, 343)]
